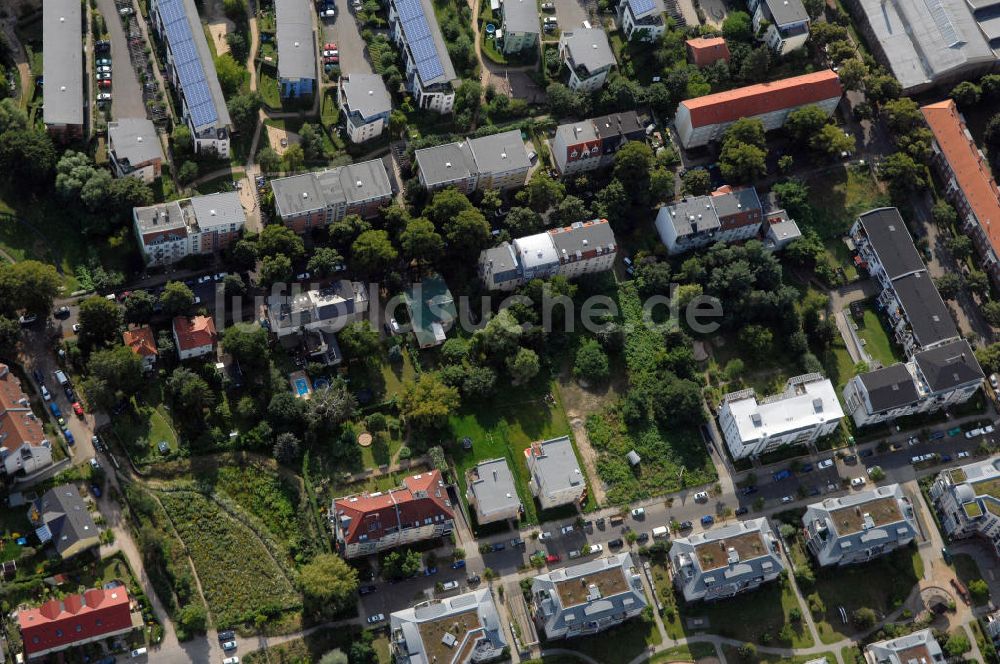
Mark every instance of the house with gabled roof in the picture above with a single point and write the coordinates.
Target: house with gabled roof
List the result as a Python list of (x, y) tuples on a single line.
[(23, 444), (62, 517), (366, 523), (140, 340), (587, 145), (967, 500), (587, 598), (726, 561), (465, 629), (78, 619), (194, 336), (859, 527), (784, 23)]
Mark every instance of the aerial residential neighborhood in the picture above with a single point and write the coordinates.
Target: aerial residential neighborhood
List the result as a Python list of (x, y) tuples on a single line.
[(473, 331)]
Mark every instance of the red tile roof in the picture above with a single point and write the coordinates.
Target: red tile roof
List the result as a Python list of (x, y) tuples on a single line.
[(704, 51), (18, 424), (421, 497), (972, 173), (141, 341), (762, 98), (194, 332), (60, 624)]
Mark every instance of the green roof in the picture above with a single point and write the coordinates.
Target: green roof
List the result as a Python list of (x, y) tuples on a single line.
[(431, 308)]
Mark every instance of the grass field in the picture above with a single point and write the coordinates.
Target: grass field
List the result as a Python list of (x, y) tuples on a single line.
[(688, 653), (732, 655), (968, 570), (878, 343), (619, 644), (141, 428), (310, 650)]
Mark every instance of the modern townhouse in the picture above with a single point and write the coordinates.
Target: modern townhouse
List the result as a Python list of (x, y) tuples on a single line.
[(194, 336), (430, 75), (296, 44), (191, 70), (914, 648), (317, 199), (492, 493), (134, 149), (168, 232), (587, 598), (725, 215), (464, 629), (591, 144), (641, 19), (498, 161), (365, 104), (140, 341), (328, 309), (24, 447), (518, 26), (367, 523), (556, 478), (76, 620), (431, 310), (62, 66), (968, 181), (785, 23), (726, 561), (587, 54), (859, 527), (967, 500), (779, 230), (571, 251), (60, 516), (701, 120), (808, 409), (705, 51)]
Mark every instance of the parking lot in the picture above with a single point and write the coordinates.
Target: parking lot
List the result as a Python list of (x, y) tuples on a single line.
[(344, 30), (572, 13), (126, 100)]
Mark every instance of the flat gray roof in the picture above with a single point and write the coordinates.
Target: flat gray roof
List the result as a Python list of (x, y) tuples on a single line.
[(735, 202), (557, 468), (366, 94), (62, 62), (692, 215), (583, 236), (589, 49), (134, 140), (298, 194), (520, 16), (499, 153), (494, 487), (787, 11), (296, 44), (445, 163), (220, 209)]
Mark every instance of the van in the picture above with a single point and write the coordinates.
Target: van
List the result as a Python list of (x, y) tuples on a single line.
[(138, 652), (61, 378), (660, 531)]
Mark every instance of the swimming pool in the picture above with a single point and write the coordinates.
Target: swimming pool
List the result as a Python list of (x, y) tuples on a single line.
[(301, 387)]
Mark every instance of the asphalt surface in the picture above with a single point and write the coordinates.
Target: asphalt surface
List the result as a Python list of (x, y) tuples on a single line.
[(344, 31), (570, 14), (126, 93)]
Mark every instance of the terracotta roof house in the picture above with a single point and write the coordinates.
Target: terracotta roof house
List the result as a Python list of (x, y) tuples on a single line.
[(969, 183), (701, 120), (57, 625), (194, 336), (705, 51), (60, 516), (142, 343), (23, 445), (418, 510)]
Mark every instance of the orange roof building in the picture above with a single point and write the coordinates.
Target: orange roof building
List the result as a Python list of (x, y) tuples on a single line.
[(702, 120), (77, 619), (142, 343), (23, 445), (969, 184), (195, 336), (705, 51)]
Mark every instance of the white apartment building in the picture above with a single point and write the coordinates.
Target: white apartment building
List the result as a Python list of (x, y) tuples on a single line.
[(915, 648), (365, 103), (168, 232), (588, 55), (465, 629), (860, 526), (967, 500), (556, 478), (806, 411), (492, 492), (787, 23), (642, 17), (327, 309), (725, 215), (726, 561), (571, 251), (429, 75)]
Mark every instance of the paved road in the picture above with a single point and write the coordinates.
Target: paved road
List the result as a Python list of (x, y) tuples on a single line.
[(126, 93), (344, 32)]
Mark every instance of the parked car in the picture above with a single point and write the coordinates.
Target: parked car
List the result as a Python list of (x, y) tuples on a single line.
[(858, 482), (367, 590), (104, 69), (596, 548), (638, 513), (227, 635), (912, 440), (574, 554), (995, 381), (685, 525), (96, 442), (701, 497), (94, 463), (548, 6), (138, 652), (45, 393), (945, 458), (550, 20), (785, 500), (56, 412), (874, 469), (517, 543), (707, 520), (77, 409), (104, 76), (642, 538), (544, 536), (328, 11), (616, 543), (302, 276), (27, 320), (781, 475), (231, 660), (962, 455), (806, 468), (988, 429), (566, 530), (96, 490), (229, 645), (975, 433), (104, 84), (851, 459), (748, 490), (740, 511), (866, 453), (472, 579), (532, 157), (430, 571), (499, 546), (552, 558), (825, 463), (458, 564), (377, 618), (68, 435)]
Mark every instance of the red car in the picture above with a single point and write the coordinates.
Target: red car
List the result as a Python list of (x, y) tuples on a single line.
[(104, 84), (78, 409), (332, 46), (331, 59), (552, 558)]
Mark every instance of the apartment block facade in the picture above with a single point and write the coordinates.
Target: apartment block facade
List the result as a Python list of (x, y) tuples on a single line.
[(317, 199), (726, 215), (591, 144), (168, 232), (499, 161)]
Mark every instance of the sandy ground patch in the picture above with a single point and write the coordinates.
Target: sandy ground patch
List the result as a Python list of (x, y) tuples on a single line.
[(219, 30), (274, 136)]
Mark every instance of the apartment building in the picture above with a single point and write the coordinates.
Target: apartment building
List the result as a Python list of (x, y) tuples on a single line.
[(915, 648), (641, 19), (296, 44), (968, 181), (429, 73), (492, 493), (518, 26), (316, 199), (587, 598), (327, 309), (134, 149), (191, 70), (859, 527), (723, 562), (168, 232), (76, 620), (585, 247), (24, 448), (498, 161), (701, 120), (465, 629), (808, 409), (587, 54), (62, 65), (705, 51), (365, 104), (367, 523), (785, 23), (556, 478), (725, 215), (591, 144), (967, 500)]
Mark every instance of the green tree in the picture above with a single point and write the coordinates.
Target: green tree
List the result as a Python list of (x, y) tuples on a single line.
[(446, 205), (335, 656), (112, 373), (329, 408), (248, 344), (100, 321), (902, 172), (738, 26), (193, 618), (27, 156), (11, 116), (244, 110), (742, 162), (633, 162), (401, 564), (359, 341), (805, 122), (957, 644), (902, 115), (420, 241), (28, 286), (269, 160), (756, 339), (852, 73), (233, 284), (275, 269), (277, 239), (189, 391), (176, 298), (830, 139), (328, 582), (467, 233), (697, 182), (980, 591), (523, 221), (372, 253), (966, 94), (325, 261), (611, 203), (864, 618), (294, 158), (182, 140), (944, 214), (661, 185), (523, 366), (499, 338), (542, 191), (311, 138), (187, 172), (428, 402), (591, 362), (10, 334), (880, 88), (230, 74), (756, 65), (960, 246), (571, 209)]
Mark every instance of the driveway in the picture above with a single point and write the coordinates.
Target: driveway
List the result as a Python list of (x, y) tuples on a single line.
[(126, 93), (344, 30)]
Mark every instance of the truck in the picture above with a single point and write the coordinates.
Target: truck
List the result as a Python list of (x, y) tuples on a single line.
[(61, 377), (660, 531)]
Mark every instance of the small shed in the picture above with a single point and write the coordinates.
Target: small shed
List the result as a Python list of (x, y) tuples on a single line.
[(633, 458)]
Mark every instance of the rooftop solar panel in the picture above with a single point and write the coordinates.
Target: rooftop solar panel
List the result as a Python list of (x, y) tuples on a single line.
[(640, 7), (417, 29), (189, 67), (430, 69), (419, 36)]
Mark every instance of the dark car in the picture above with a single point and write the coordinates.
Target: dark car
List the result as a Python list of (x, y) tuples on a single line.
[(741, 511), (616, 543), (430, 570), (363, 590), (707, 520), (517, 543), (499, 546), (458, 564), (642, 538), (814, 491), (39, 376), (806, 468), (851, 458), (227, 635), (782, 475), (866, 453), (685, 525), (747, 490), (473, 579), (945, 458), (96, 490)]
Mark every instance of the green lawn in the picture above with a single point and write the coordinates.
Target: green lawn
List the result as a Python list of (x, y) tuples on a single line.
[(688, 653), (732, 655), (310, 649), (878, 343), (329, 112), (619, 644), (267, 84), (141, 428), (967, 570)]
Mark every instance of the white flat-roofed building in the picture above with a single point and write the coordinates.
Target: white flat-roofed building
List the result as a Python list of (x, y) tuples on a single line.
[(915, 648), (328, 309), (556, 478), (967, 500), (726, 561), (587, 598), (366, 105), (859, 527), (134, 149), (806, 411), (725, 215), (168, 232), (429, 72), (62, 66), (465, 629), (492, 492), (587, 52)]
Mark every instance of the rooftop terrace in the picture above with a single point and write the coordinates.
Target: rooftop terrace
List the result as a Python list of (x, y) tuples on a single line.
[(883, 511), (608, 582), (438, 634), (715, 554)]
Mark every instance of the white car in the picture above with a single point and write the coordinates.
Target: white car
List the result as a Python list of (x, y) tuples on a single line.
[(872, 469), (995, 381), (138, 652), (104, 96), (76, 327), (229, 645), (94, 463), (205, 279), (231, 660), (575, 553), (45, 393), (303, 276), (449, 585), (328, 13), (596, 548), (825, 463), (638, 513), (988, 429), (975, 433), (912, 440), (701, 497), (544, 536), (377, 618), (330, 52), (220, 276), (197, 299), (566, 530), (962, 455), (104, 69), (785, 500), (858, 482)]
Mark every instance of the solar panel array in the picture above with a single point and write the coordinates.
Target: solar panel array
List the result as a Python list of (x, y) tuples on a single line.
[(640, 7), (943, 22), (419, 38), (190, 70)]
